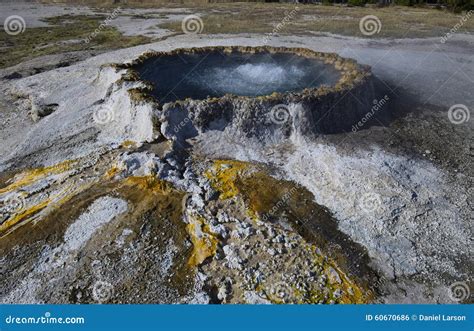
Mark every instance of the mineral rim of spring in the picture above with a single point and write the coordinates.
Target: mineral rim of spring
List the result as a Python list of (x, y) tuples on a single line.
[(214, 74), (237, 88)]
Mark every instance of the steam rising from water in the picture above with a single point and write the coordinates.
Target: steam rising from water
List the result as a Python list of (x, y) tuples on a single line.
[(251, 79), (198, 76)]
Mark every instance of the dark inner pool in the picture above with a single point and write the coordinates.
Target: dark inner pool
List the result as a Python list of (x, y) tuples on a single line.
[(214, 74)]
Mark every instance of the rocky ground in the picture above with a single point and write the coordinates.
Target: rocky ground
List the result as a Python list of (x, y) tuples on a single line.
[(99, 203)]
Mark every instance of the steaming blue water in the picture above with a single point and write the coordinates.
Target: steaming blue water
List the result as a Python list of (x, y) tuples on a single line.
[(214, 74)]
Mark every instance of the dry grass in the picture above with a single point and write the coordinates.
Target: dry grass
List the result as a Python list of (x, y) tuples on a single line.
[(397, 22), (66, 33)]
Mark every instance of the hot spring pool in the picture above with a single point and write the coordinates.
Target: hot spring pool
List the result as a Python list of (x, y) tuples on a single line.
[(262, 91), (214, 74)]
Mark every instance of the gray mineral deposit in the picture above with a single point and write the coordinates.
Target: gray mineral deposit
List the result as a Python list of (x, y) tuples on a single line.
[(165, 154)]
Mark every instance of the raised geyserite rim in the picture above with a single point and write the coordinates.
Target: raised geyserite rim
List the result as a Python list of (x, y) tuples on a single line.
[(351, 72)]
